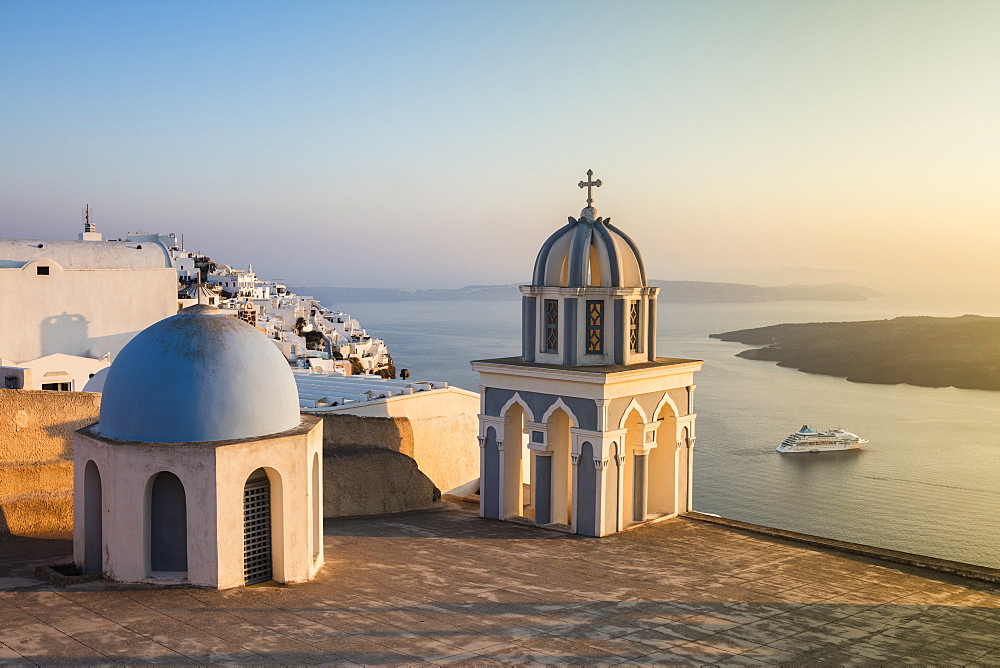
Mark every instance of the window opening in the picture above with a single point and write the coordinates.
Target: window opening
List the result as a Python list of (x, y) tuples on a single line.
[(551, 325), (257, 528), (58, 387), (595, 327), (633, 327), (41, 270)]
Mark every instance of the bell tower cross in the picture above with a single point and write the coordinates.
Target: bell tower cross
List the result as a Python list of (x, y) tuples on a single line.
[(590, 184)]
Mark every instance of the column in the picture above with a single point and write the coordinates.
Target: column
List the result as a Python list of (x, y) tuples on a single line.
[(542, 492), (690, 474), (640, 493)]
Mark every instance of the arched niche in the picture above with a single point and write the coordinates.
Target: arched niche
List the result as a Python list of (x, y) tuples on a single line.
[(93, 513), (167, 525)]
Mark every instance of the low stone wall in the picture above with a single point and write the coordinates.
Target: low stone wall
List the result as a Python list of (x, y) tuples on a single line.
[(372, 465), (36, 425), (438, 429), (365, 480), (36, 458), (352, 431), (378, 465)]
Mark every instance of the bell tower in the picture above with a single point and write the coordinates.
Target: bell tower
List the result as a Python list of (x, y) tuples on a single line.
[(588, 430)]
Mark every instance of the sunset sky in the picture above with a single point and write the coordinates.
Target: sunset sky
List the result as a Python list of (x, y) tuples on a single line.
[(437, 144)]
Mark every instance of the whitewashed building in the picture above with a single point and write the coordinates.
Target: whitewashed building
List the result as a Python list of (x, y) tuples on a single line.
[(83, 298), (201, 469)]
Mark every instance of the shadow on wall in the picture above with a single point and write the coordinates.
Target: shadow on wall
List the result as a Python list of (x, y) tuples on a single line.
[(65, 430), (69, 333), (368, 467), (353, 431), (64, 333)]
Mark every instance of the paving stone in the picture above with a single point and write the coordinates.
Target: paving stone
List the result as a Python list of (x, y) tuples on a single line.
[(452, 589), (9, 657)]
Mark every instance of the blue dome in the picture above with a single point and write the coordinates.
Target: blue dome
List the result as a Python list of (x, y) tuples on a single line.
[(589, 252), (201, 375)]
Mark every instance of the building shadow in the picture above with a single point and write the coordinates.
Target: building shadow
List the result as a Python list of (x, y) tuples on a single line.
[(438, 522), (64, 333)]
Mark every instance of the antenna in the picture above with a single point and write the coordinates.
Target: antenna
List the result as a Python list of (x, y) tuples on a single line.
[(87, 225)]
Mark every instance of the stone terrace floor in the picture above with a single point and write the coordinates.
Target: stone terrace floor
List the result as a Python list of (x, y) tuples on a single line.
[(447, 587)]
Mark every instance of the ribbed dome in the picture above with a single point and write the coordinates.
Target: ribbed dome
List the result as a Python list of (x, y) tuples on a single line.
[(201, 375), (589, 252)]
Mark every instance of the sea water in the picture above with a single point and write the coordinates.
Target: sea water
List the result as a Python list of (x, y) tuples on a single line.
[(928, 481)]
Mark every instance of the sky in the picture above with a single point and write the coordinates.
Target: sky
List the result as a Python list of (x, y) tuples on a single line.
[(437, 144)]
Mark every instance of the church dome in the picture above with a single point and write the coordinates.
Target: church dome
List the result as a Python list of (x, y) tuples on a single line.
[(589, 251), (201, 375)]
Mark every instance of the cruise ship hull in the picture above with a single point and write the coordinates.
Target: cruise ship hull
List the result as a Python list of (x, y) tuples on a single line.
[(810, 440), (820, 447)]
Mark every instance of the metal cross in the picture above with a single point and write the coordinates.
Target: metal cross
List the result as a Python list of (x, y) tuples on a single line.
[(590, 184)]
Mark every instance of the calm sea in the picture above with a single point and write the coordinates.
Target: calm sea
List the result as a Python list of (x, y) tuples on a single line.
[(928, 481)]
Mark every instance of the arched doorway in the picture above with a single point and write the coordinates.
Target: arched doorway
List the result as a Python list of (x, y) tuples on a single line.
[(663, 479), (634, 471), (558, 435), (167, 525), (93, 530), (257, 558), (517, 466)]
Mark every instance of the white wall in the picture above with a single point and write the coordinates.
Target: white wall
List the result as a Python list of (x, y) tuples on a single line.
[(445, 427), (79, 312)]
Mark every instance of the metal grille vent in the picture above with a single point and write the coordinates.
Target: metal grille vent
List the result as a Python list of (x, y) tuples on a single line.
[(257, 531)]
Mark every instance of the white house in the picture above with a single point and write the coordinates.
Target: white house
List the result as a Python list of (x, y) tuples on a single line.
[(85, 299)]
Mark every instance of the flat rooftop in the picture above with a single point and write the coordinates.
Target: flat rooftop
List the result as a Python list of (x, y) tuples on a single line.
[(448, 587)]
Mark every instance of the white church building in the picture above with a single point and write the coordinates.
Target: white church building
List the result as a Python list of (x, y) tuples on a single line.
[(588, 430), (200, 470)]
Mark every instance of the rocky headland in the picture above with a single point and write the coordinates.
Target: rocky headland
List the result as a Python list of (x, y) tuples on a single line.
[(961, 352)]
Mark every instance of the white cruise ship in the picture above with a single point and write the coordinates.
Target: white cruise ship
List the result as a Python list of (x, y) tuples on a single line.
[(810, 440)]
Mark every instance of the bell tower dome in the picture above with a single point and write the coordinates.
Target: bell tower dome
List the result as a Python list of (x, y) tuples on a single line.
[(588, 303)]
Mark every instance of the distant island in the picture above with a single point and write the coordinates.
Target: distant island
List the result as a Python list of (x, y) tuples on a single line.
[(670, 291), (961, 352)]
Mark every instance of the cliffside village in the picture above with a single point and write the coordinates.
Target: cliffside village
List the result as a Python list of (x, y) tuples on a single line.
[(312, 337)]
